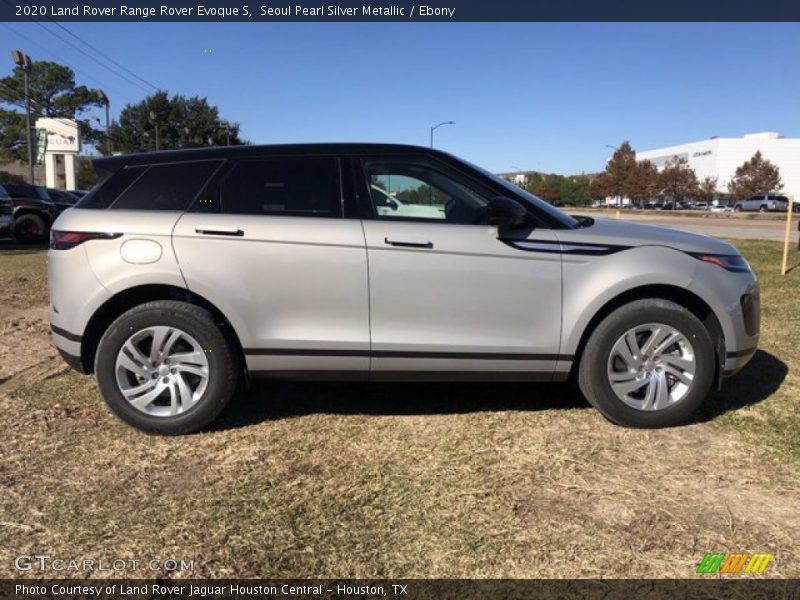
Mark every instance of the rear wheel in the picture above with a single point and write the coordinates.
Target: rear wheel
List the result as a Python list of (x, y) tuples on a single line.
[(763, 208), (737, 208), (30, 229), (165, 367), (650, 363)]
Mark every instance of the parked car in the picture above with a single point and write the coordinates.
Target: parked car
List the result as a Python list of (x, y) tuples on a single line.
[(63, 199), (387, 205), (701, 206), (763, 203), (6, 212), (34, 212), (187, 271)]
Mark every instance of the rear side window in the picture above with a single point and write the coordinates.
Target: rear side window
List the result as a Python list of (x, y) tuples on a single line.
[(290, 187), (104, 194), (166, 187), (3, 193)]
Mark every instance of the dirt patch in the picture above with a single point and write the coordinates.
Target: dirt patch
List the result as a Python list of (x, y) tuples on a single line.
[(26, 354)]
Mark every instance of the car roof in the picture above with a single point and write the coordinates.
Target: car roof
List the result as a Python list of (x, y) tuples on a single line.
[(112, 163)]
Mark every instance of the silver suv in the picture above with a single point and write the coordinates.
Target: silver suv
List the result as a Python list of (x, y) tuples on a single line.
[(763, 203), (182, 272)]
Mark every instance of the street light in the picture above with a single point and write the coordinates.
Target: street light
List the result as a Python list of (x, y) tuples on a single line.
[(155, 124), (101, 96), (23, 61), (435, 127)]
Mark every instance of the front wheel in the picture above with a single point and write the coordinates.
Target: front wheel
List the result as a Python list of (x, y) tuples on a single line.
[(166, 367), (648, 364)]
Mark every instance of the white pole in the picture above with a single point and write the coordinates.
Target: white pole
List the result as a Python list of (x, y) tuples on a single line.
[(787, 234)]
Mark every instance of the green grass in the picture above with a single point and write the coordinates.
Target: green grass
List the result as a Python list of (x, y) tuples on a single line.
[(772, 377)]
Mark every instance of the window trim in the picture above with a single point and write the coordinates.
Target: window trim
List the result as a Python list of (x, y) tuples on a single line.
[(231, 164)]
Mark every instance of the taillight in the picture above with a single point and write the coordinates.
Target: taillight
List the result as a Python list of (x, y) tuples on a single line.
[(64, 240), (729, 262)]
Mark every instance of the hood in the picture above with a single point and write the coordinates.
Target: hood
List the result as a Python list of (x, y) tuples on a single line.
[(627, 233)]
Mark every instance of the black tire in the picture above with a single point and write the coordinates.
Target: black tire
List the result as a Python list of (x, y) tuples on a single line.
[(763, 208), (593, 378), (223, 365), (737, 208), (30, 229)]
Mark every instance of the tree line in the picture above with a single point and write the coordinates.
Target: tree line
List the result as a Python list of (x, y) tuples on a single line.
[(624, 177), (180, 120)]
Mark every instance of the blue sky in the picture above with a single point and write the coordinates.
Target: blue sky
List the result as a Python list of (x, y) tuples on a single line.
[(537, 96)]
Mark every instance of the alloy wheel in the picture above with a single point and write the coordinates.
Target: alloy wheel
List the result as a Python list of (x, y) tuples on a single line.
[(651, 366), (162, 371)]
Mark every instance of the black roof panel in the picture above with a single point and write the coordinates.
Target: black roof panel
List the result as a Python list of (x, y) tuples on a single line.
[(111, 163)]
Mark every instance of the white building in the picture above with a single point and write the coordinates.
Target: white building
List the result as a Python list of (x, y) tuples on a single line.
[(719, 157)]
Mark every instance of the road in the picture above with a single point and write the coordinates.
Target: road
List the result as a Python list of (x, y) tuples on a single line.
[(721, 227)]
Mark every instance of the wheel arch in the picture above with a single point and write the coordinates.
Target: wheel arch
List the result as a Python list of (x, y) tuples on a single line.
[(681, 296), (134, 296)]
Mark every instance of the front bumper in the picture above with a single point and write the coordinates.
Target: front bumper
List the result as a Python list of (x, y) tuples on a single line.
[(747, 325)]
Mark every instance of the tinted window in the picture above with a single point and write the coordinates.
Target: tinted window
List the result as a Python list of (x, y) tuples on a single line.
[(166, 187), (3, 193), (405, 190), (20, 190), (291, 187), (104, 194)]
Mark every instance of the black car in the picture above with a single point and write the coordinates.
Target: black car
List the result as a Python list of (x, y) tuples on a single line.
[(63, 199), (33, 210), (6, 212)]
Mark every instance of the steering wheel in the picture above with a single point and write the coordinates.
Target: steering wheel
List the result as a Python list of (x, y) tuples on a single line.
[(448, 208)]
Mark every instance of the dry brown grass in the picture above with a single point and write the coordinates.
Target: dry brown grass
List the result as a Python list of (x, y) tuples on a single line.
[(336, 480)]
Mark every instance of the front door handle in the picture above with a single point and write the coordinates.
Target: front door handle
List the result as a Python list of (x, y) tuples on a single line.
[(408, 243), (216, 230)]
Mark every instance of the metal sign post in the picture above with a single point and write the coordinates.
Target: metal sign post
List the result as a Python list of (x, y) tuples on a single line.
[(787, 235)]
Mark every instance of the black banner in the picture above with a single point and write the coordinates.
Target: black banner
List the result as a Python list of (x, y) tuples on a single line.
[(399, 10), (406, 589)]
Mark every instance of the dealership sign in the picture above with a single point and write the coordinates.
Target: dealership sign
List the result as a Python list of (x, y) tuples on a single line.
[(63, 135)]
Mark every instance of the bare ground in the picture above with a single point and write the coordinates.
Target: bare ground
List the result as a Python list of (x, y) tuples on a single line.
[(388, 480)]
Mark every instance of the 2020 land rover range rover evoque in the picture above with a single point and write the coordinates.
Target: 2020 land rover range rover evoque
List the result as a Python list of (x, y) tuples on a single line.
[(182, 271)]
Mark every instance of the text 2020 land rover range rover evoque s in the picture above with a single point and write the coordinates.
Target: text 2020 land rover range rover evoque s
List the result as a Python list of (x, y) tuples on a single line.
[(182, 271)]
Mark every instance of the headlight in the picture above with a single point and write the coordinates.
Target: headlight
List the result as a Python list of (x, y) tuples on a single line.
[(730, 262)]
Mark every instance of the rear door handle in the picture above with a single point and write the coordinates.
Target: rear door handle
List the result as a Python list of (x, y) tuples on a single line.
[(409, 243), (216, 230)]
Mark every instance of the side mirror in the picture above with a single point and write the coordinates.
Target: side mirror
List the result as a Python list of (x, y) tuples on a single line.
[(504, 212)]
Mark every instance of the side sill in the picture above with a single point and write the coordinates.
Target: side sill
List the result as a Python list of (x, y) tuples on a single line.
[(399, 376)]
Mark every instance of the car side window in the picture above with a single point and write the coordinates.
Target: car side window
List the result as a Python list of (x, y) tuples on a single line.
[(416, 191), (170, 186), (307, 187)]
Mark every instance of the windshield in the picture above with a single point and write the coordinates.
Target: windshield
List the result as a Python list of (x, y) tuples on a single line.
[(556, 214)]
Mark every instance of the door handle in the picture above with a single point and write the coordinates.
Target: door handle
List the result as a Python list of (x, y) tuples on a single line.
[(235, 231), (410, 243)]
